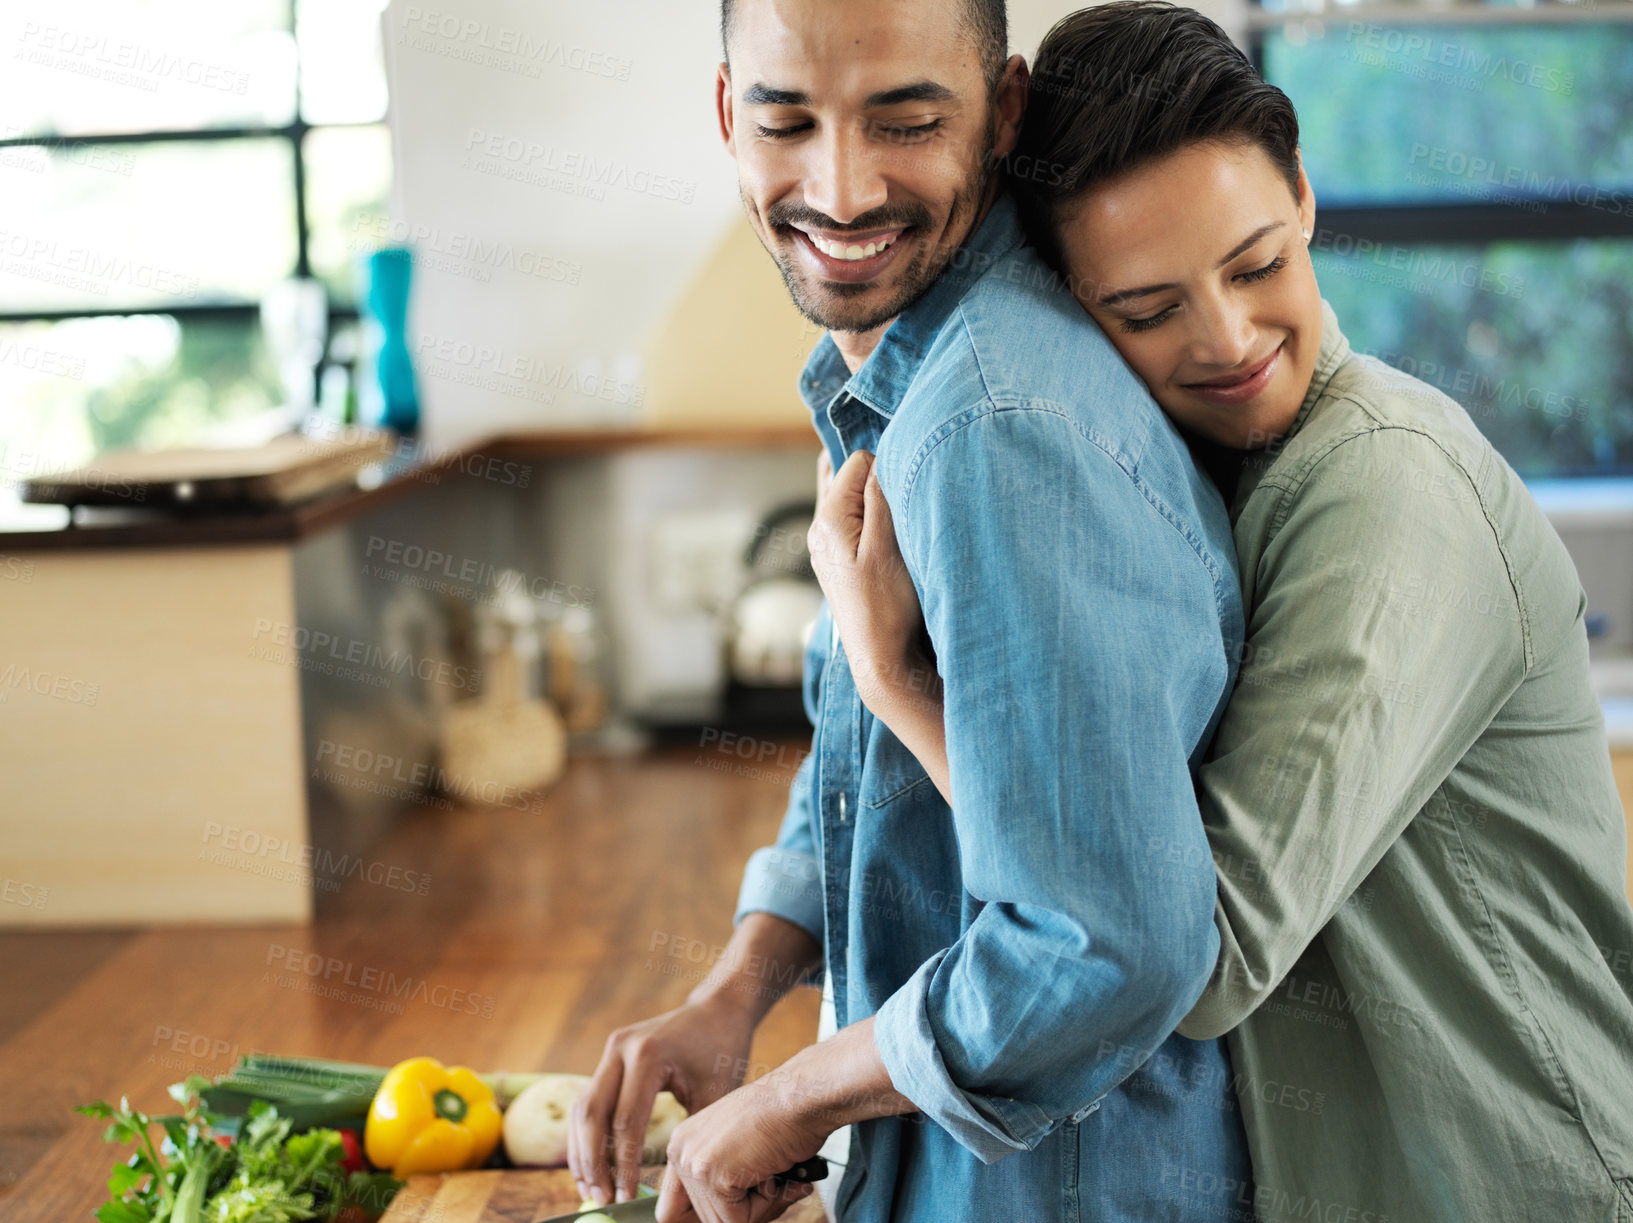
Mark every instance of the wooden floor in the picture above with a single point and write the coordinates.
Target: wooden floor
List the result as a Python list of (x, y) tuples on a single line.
[(536, 935)]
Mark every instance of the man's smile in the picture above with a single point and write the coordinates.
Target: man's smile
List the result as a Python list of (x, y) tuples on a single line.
[(846, 256)]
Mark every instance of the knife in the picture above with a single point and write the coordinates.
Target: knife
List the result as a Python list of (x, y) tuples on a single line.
[(645, 1210)]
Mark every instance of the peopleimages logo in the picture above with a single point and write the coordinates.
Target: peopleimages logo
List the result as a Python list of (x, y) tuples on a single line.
[(503, 46), (493, 368), (513, 157), (1433, 58), (83, 267), (122, 62), (330, 976), (1426, 270), (321, 651), (1519, 180), (250, 843), (482, 253)]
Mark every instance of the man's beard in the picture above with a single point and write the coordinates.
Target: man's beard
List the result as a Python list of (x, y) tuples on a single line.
[(826, 303)]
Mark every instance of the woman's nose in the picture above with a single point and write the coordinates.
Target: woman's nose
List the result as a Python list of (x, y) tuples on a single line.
[(1222, 337)]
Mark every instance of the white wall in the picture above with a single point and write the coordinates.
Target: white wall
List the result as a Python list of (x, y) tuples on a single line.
[(611, 98), (1029, 20)]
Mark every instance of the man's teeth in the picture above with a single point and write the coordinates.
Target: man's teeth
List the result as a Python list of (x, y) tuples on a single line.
[(850, 254)]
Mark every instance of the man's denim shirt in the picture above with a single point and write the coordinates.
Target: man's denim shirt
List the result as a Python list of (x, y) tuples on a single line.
[(1027, 952)]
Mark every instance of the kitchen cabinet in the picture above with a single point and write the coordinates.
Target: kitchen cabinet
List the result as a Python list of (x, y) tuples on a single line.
[(1621, 762), (210, 718)]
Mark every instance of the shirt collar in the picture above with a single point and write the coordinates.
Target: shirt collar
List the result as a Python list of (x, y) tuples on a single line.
[(885, 376)]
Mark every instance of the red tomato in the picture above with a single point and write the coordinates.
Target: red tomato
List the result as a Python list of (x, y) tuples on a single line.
[(354, 1161)]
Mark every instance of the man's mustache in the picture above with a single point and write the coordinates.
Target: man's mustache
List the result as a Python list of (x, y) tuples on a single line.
[(888, 217)]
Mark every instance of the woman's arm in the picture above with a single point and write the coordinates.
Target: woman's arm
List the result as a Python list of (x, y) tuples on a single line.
[(1384, 632), (876, 610)]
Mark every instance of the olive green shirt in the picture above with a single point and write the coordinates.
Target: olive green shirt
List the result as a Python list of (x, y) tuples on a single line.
[(1427, 962)]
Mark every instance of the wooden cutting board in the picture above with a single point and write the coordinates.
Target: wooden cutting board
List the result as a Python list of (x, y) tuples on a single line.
[(283, 471), (516, 1196)]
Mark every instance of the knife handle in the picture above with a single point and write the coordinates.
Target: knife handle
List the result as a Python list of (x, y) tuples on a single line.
[(806, 1172)]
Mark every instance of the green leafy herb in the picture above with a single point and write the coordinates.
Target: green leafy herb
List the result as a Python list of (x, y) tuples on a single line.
[(268, 1175)]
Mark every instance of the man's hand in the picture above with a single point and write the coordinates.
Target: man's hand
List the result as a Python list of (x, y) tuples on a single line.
[(698, 1051), (723, 1161)]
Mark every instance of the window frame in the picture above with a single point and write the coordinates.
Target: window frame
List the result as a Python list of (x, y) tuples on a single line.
[(294, 133), (1427, 221)]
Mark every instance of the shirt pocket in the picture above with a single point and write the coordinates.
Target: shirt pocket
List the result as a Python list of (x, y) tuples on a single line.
[(892, 772)]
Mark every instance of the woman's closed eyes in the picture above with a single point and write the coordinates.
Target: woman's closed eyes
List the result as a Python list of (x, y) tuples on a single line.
[(1135, 325)]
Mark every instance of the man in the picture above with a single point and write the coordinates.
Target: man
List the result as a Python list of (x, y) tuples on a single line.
[(1007, 973)]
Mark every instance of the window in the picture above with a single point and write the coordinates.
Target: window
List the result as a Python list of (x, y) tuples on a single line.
[(1473, 171), (163, 165)]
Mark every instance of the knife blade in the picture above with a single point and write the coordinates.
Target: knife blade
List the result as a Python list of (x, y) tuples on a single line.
[(645, 1210)]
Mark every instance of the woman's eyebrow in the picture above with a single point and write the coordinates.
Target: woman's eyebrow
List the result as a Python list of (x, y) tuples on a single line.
[(1250, 240), (1124, 295)]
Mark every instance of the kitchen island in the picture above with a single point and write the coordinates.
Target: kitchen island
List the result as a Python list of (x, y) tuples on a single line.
[(183, 692)]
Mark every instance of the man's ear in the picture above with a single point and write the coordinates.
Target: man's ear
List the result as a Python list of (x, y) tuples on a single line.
[(1011, 103), (722, 108)]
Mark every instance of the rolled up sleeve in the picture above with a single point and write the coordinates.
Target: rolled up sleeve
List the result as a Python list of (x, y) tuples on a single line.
[(785, 879), (1078, 634)]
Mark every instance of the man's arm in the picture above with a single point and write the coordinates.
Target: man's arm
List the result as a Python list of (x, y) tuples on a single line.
[(1078, 637), (700, 1050)]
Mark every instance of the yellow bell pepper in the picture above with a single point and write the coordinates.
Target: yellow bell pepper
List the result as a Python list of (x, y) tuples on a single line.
[(428, 1117)]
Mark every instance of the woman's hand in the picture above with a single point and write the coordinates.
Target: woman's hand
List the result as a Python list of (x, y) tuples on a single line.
[(876, 609), (870, 594)]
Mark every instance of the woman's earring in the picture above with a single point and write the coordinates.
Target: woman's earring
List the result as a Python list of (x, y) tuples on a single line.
[(1306, 235)]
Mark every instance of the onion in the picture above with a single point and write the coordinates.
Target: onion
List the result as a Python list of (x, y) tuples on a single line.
[(537, 1121)]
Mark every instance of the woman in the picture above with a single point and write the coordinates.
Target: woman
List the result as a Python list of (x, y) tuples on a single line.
[(1419, 846)]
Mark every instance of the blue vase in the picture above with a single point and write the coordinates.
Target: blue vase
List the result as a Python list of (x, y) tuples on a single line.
[(389, 273)]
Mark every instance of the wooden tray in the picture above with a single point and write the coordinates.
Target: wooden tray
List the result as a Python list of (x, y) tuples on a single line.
[(516, 1196)]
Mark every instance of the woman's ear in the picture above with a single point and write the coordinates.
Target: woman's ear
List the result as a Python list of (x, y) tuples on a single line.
[(1306, 200)]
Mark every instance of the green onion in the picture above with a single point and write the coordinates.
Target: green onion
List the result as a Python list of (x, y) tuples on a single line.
[(317, 1092)]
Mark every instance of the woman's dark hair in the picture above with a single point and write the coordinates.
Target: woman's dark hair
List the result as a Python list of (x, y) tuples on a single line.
[(1125, 83)]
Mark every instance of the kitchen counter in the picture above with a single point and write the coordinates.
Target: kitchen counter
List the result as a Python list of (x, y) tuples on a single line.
[(524, 938), (504, 459)]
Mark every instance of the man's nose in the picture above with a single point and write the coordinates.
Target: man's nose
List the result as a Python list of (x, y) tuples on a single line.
[(843, 178)]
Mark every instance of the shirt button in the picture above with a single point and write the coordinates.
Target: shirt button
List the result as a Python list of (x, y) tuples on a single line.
[(841, 806)]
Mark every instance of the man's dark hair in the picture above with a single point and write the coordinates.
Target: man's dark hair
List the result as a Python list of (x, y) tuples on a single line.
[(986, 22), (1128, 82)]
